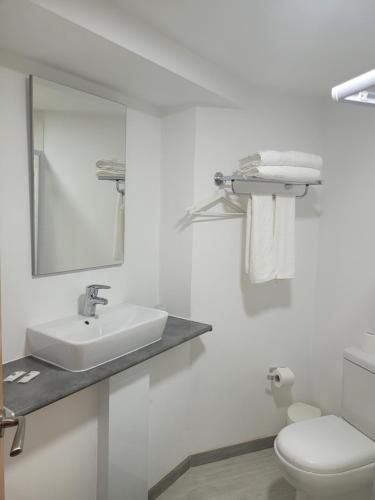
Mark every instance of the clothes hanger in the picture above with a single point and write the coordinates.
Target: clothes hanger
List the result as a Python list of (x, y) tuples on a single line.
[(200, 208)]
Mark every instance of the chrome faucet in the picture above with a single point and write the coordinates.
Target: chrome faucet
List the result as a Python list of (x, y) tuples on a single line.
[(89, 300)]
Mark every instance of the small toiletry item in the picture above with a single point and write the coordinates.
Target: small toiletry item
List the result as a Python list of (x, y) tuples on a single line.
[(14, 376), (30, 376)]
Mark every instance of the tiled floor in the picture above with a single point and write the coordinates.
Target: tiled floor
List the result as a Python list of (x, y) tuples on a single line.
[(249, 477)]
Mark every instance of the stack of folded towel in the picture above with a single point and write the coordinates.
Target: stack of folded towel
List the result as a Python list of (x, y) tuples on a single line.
[(282, 166), (269, 252), (110, 170)]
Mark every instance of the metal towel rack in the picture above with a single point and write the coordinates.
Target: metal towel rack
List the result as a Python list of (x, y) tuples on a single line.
[(222, 180), (119, 178), (119, 189)]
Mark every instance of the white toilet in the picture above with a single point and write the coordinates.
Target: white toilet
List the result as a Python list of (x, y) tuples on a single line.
[(330, 457)]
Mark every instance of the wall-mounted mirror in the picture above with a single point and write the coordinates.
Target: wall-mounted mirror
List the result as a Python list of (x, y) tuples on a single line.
[(77, 179)]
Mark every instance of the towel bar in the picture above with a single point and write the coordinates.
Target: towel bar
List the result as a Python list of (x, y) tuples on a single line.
[(118, 188), (221, 180)]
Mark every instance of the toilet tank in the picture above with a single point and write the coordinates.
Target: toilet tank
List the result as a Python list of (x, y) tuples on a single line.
[(358, 394)]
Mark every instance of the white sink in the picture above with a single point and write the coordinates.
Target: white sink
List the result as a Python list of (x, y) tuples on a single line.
[(79, 343)]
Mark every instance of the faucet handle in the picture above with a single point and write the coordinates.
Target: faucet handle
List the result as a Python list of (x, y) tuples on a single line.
[(87, 302), (95, 288)]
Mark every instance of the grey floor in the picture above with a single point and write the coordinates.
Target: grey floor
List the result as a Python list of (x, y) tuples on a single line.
[(249, 477)]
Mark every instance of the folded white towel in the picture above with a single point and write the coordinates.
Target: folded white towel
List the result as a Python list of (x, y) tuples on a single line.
[(110, 173), (260, 250), (282, 158), (284, 173), (284, 236), (110, 169), (269, 239)]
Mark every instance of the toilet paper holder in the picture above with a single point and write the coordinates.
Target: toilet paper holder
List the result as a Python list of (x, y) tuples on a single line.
[(271, 370), (281, 376)]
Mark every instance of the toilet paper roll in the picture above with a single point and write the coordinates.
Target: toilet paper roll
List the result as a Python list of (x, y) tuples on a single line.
[(368, 342), (283, 377)]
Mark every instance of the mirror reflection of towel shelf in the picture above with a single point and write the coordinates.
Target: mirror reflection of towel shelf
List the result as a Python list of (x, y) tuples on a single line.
[(119, 189), (223, 180), (112, 170)]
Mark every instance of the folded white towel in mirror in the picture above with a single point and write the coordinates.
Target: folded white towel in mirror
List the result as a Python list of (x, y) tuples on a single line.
[(282, 158), (110, 169), (284, 173), (110, 173)]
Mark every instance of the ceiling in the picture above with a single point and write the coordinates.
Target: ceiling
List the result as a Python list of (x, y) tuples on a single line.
[(173, 53), (40, 35), (50, 96), (297, 45)]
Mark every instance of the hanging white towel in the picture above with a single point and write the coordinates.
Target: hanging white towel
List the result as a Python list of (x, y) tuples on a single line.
[(260, 249), (248, 236), (284, 236), (282, 158), (119, 236), (285, 173), (269, 238)]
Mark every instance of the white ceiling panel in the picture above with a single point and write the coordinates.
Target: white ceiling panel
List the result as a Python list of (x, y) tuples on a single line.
[(297, 45)]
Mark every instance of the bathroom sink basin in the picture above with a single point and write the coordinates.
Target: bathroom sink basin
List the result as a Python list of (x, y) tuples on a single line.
[(78, 343)]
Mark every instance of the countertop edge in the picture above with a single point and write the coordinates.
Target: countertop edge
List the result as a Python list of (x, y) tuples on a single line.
[(178, 331)]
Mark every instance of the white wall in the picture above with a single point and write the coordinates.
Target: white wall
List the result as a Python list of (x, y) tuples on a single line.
[(123, 436), (60, 456), (29, 300), (255, 326), (305, 324), (170, 372), (169, 412), (177, 169), (64, 427), (346, 277), (219, 382), (214, 392)]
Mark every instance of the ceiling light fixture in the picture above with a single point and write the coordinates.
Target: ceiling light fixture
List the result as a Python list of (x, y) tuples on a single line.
[(355, 90)]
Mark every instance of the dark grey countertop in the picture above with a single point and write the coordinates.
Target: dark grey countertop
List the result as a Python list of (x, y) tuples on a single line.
[(54, 383)]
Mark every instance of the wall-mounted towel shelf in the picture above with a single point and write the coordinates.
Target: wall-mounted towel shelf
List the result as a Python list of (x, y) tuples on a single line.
[(222, 180), (112, 170), (119, 189)]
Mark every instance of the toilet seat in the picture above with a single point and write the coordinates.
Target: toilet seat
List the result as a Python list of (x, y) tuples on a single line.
[(355, 483), (326, 445)]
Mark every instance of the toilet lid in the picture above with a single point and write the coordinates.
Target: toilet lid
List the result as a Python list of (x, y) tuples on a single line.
[(325, 445)]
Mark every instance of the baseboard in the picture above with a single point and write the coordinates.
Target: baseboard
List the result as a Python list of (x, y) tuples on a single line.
[(170, 478), (207, 457), (233, 450)]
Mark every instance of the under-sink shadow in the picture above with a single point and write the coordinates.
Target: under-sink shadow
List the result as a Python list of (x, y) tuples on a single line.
[(198, 349), (184, 356)]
